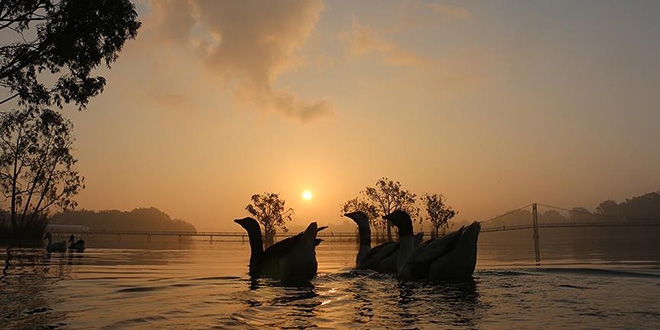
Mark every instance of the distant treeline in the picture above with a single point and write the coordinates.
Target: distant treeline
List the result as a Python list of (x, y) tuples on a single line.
[(639, 209), (644, 207), (142, 219)]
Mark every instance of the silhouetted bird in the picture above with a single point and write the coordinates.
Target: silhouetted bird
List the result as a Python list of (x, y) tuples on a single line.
[(292, 259), (54, 247), (381, 258), (78, 246), (451, 257)]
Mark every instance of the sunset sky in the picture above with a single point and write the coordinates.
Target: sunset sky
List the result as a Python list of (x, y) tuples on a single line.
[(494, 104)]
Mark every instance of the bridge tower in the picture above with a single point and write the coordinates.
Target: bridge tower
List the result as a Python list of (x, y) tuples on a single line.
[(537, 250)]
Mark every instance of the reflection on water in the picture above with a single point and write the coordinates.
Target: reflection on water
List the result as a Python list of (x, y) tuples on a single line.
[(602, 281)]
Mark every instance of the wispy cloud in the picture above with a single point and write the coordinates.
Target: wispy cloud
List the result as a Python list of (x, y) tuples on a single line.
[(413, 14), (246, 44), (450, 12), (361, 40)]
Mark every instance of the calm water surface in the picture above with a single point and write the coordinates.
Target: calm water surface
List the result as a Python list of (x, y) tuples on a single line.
[(605, 280)]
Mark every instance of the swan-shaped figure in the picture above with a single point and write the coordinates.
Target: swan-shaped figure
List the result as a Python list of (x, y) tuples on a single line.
[(451, 257), (54, 247), (77, 246), (381, 258), (292, 259)]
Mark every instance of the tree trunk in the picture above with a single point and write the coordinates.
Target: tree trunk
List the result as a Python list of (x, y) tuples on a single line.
[(270, 238), (389, 232)]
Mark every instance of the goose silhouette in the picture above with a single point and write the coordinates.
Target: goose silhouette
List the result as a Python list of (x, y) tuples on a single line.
[(451, 257), (292, 259), (77, 246), (382, 258), (54, 247)]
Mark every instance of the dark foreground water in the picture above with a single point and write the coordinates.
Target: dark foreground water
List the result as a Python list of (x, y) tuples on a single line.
[(608, 280)]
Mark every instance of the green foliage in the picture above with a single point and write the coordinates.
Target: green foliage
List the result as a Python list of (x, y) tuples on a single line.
[(439, 213), (65, 40), (140, 219), (37, 169), (270, 211)]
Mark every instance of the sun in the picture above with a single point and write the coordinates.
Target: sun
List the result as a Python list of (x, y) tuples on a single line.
[(307, 195)]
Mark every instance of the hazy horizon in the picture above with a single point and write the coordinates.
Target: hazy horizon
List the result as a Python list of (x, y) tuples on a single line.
[(494, 104)]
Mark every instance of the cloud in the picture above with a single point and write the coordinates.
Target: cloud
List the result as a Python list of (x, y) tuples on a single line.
[(414, 14), (170, 21), (450, 12), (362, 40), (246, 45)]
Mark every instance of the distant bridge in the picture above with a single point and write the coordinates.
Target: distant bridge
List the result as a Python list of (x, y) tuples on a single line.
[(210, 234), (570, 225), (344, 235), (488, 226)]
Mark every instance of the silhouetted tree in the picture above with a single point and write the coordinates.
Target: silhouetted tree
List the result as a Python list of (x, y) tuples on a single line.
[(552, 216), (359, 204), (37, 169), (580, 214), (644, 207), (439, 213), (50, 47), (386, 197), (142, 219), (608, 207), (269, 210), (511, 218)]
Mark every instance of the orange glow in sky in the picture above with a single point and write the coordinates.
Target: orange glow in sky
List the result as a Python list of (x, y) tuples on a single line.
[(495, 105)]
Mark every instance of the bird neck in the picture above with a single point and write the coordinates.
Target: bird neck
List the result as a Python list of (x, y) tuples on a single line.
[(365, 235), (365, 242), (256, 247), (406, 247)]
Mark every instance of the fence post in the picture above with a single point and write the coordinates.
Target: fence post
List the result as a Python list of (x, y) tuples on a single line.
[(537, 250)]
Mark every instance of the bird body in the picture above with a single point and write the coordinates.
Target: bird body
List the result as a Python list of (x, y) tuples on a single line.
[(56, 246), (77, 246), (381, 258), (452, 257), (292, 259)]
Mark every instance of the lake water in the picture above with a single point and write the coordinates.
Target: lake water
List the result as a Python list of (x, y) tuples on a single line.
[(593, 278)]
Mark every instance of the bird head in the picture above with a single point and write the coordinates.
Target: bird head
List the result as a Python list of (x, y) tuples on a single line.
[(249, 224), (359, 217), (402, 221)]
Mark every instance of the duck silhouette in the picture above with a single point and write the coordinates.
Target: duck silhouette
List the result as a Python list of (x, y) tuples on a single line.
[(381, 258), (292, 259), (451, 257), (54, 246), (77, 246)]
